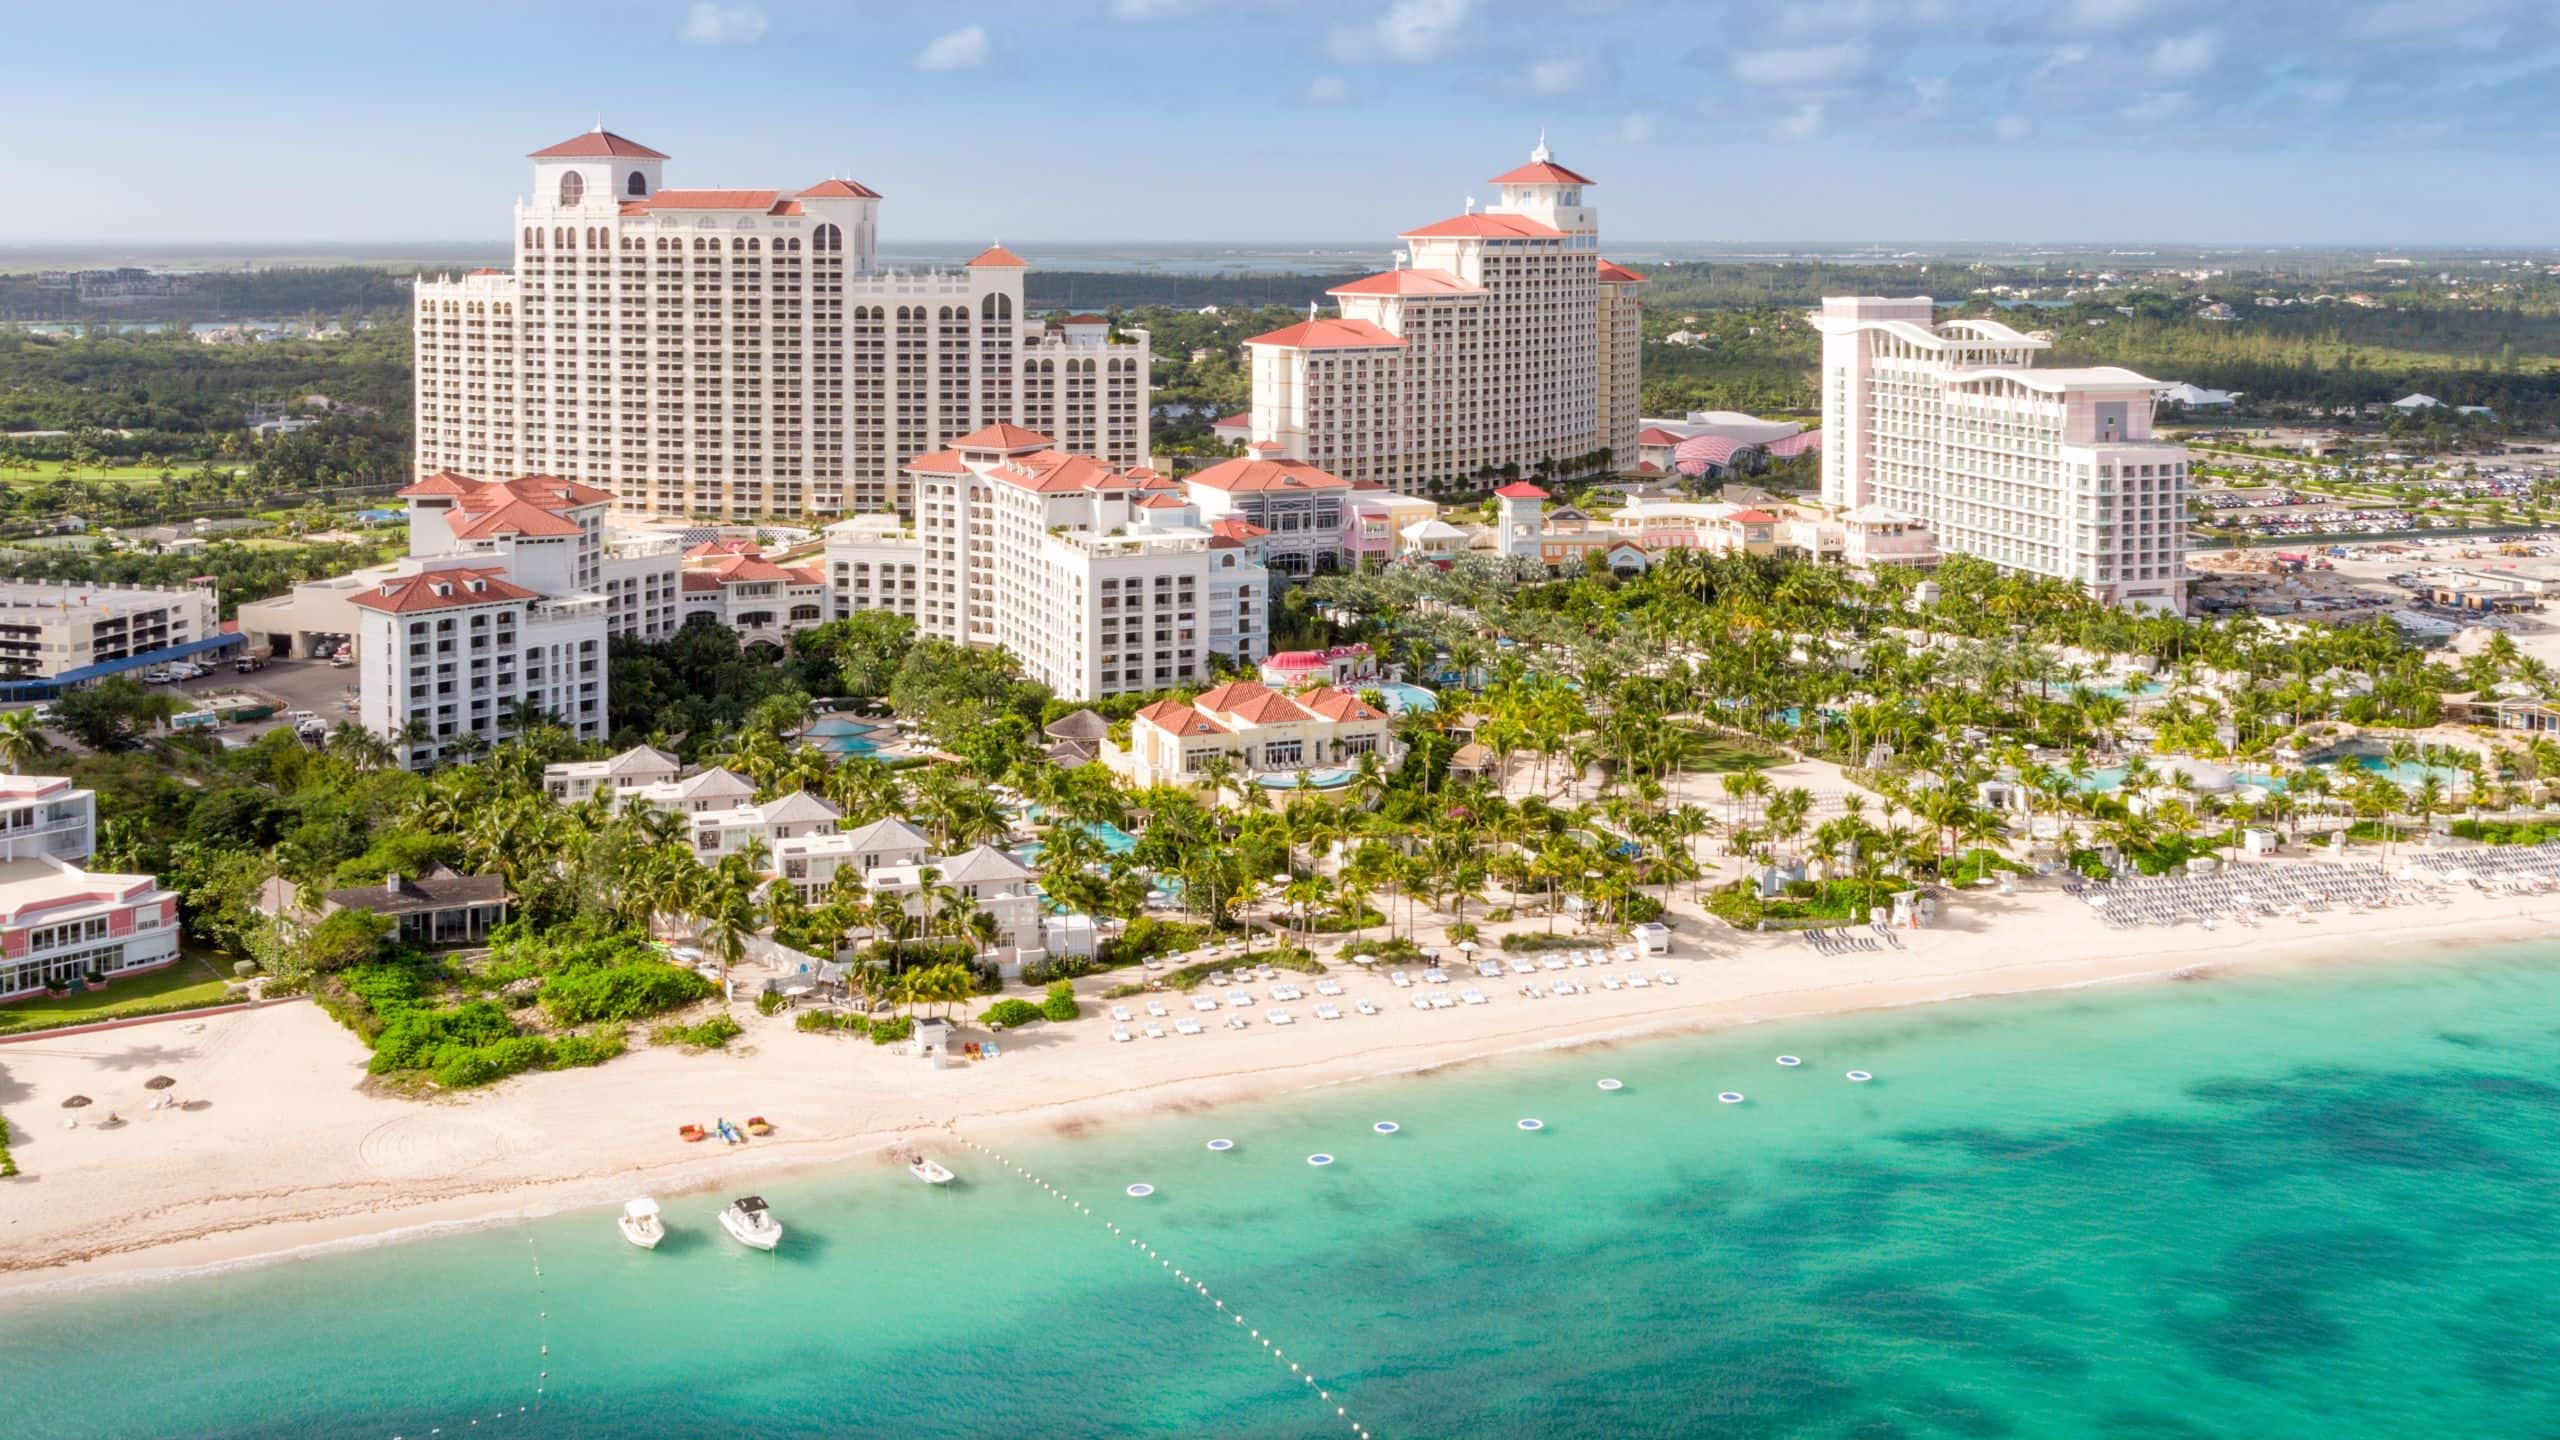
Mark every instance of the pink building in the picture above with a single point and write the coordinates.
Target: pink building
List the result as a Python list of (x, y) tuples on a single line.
[(60, 923)]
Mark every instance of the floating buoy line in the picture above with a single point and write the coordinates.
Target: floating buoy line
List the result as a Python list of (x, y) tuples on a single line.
[(1186, 1279), (542, 1348)]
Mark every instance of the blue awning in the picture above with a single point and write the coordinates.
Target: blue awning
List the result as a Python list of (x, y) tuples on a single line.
[(42, 687)]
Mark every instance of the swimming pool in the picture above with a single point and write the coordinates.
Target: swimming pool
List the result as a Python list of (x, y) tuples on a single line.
[(2109, 777), (843, 735), (1333, 779), (1405, 699), (2407, 774)]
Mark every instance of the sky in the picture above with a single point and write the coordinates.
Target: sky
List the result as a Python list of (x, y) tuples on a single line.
[(2351, 122)]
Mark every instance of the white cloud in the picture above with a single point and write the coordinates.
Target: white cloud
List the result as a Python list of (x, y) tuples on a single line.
[(1563, 75), (1635, 130), (962, 49), (1805, 123), (2102, 15), (1411, 31), (1327, 90), (2011, 127), (2153, 108), (710, 24), (1800, 68), (2059, 59), (2181, 57), (1929, 95)]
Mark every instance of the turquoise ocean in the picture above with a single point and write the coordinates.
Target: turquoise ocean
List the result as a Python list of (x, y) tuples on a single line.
[(2314, 1205)]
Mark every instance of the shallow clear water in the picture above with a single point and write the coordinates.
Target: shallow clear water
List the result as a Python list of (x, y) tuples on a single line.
[(2309, 1206)]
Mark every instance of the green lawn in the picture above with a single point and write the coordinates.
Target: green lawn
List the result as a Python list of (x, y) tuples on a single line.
[(98, 474), (192, 981)]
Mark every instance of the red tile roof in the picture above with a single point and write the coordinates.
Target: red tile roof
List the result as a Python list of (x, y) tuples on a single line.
[(1541, 172), (807, 574), (1002, 436), (1487, 227), (1329, 335), (1336, 705), (1752, 517), (1085, 320), (1647, 467), (1231, 527), (742, 569), (515, 517), (1521, 490), (1241, 420), (596, 143), (1161, 501), (714, 199), (1050, 473), (940, 462), (700, 580), (440, 590), (1613, 273), (1408, 282), (1250, 476), (998, 255), (443, 482), (839, 190), (1656, 435), (1180, 719)]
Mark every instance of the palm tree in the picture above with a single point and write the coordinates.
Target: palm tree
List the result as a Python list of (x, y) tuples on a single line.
[(22, 740)]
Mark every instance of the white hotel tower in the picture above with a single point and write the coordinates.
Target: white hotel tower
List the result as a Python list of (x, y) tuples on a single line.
[(1487, 350), (741, 353), (2048, 472)]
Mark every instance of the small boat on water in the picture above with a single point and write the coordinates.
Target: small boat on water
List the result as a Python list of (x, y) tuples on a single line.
[(639, 1223), (750, 1222), (931, 1172)]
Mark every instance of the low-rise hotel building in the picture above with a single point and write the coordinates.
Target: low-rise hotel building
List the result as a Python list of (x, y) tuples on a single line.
[(1261, 732), (2049, 472), (61, 923), (57, 635)]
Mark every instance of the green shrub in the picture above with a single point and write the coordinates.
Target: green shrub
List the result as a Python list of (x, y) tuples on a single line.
[(770, 1003), (624, 992), (1014, 1014), (1145, 938), (708, 1034), (1061, 1004), (593, 1048), (890, 1031), (8, 1167), (823, 1022)]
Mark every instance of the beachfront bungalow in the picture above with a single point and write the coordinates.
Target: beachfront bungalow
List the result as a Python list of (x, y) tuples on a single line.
[(572, 782), (438, 907), (999, 885), (730, 831), (1262, 732), (810, 863)]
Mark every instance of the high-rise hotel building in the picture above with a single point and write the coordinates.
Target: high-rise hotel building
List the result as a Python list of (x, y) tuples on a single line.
[(2048, 472), (1487, 346), (741, 353)]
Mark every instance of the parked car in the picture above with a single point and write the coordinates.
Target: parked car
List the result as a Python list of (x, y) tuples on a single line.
[(249, 664), (156, 675)]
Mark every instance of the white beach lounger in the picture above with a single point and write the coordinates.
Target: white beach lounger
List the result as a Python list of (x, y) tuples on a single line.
[(1489, 969), (1287, 992), (1402, 980), (1328, 1012), (1582, 958), (1435, 976), (1283, 1017), (1421, 1002), (1237, 1022), (1609, 982), (1156, 1008), (1120, 1036), (1637, 982), (1121, 1013), (1523, 966), (1472, 996), (1154, 1031), (1328, 987), (1203, 1003), (1666, 977), (1552, 963), (1440, 1001), (1364, 1006), (1239, 997), (1186, 1027), (1263, 972)]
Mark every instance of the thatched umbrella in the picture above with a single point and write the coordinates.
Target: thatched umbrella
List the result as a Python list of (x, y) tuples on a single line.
[(76, 1101), (159, 1082)]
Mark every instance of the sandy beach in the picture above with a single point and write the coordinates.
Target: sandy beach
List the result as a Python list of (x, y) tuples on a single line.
[(286, 1150)]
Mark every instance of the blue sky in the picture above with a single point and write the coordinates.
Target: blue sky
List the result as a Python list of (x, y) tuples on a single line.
[(2261, 121)]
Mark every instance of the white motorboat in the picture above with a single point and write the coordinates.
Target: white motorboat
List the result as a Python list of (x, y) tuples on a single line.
[(639, 1223), (931, 1172), (750, 1222)]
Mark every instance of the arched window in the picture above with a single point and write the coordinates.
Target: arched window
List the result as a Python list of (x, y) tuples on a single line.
[(638, 184), (827, 238), (573, 188)]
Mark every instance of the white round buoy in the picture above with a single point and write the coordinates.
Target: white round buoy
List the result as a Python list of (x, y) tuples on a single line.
[(1141, 1191), (1222, 1146), (1319, 1159), (1860, 1076), (1386, 1127), (1789, 1061), (1533, 1124), (1613, 1084), (1731, 1097)]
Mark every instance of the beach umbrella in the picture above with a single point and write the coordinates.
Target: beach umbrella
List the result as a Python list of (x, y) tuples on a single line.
[(76, 1101), (159, 1082)]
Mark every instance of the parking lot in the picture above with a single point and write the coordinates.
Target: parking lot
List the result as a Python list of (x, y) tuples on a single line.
[(325, 690)]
